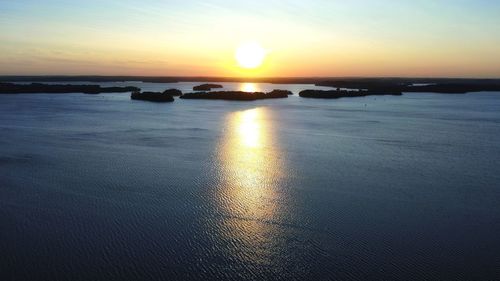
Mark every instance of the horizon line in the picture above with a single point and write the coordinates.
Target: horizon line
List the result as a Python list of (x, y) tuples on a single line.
[(238, 77)]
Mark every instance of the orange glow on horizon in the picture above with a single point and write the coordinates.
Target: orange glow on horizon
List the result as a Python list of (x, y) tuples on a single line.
[(410, 39)]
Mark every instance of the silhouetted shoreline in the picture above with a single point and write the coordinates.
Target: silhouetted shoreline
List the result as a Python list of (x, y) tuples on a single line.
[(444, 87), (37, 88), (410, 85), (335, 94), (207, 87), (152, 96), (340, 88), (237, 95)]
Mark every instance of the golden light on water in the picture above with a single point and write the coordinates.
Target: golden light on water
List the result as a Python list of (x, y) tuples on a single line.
[(249, 129), (251, 172), (249, 87), (249, 152)]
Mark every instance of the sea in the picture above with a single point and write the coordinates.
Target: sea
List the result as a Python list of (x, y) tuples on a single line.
[(100, 187)]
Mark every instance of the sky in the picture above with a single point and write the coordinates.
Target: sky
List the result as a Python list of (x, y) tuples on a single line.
[(327, 38)]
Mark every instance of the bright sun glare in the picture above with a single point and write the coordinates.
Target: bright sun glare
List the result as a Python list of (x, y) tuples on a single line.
[(250, 55)]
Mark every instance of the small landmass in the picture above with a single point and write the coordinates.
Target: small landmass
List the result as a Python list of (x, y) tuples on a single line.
[(280, 93), (335, 94), (152, 96), (37, 88), (450, 86), (173, 92), (236, 95), (207, 87)]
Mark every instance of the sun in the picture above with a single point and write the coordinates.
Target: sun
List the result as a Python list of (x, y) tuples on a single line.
[(250, 55)]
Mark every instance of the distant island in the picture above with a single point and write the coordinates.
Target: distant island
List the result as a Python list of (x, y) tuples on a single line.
[(237, 95), (153, 96), (173, 92), (335, 94), (456, 86), (37, 88), (207, 87), (341, 88)]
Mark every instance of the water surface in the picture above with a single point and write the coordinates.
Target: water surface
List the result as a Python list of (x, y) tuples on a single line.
[(99, 187)]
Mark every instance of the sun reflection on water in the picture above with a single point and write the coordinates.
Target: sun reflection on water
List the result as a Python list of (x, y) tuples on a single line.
[(249, 154), (249, 128), (251, 173), (249, 87)]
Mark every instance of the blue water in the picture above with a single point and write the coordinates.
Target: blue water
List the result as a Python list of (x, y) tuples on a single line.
[(99, 187)]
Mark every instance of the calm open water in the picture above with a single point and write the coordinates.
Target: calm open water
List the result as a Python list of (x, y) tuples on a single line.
[(99, 187)]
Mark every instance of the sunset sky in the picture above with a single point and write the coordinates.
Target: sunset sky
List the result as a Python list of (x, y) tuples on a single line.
[(454, 38)]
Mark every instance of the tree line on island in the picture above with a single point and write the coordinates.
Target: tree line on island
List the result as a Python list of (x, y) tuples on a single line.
[(204, 92), (39, 88)]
